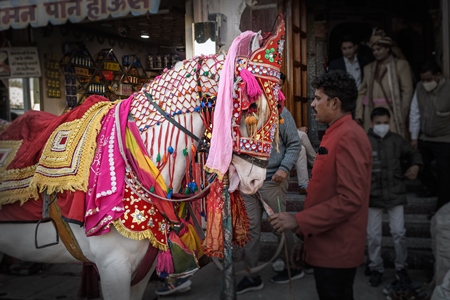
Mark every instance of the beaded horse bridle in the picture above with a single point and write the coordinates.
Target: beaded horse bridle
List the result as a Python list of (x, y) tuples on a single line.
[(262, 64), (171, 96)]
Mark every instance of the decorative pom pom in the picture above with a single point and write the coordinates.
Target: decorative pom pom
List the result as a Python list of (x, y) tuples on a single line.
[(165, 263), (281, 121), (253, 88), (251, 120)]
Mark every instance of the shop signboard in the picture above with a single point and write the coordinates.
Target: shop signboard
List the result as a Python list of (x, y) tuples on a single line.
[(21, 13), (19, 62)]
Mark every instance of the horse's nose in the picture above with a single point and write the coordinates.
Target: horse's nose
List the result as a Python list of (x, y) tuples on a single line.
[(254, 185)]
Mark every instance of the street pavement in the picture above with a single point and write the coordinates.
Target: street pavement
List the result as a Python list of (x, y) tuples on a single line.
[(62, 282)]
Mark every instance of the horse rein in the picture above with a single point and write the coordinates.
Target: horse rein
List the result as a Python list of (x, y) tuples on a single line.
[(202, 143), (262, 163)]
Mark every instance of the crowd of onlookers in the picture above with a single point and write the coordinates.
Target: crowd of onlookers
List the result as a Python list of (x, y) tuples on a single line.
[(406, 122), (384, 127)]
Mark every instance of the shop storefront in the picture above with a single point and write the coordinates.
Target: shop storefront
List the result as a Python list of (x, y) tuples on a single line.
[(55, 54)]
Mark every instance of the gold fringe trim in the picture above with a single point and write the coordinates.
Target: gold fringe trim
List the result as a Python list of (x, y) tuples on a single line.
[(139, 235), (69, 169), (9, 148), (211, 170), (15, 186)]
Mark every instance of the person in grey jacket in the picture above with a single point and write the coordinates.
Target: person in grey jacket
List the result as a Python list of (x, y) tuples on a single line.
[(273, 192), (430, 131), (388, 192)]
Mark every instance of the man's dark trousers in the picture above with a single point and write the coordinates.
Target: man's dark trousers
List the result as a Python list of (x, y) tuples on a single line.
[(441, 152), (334, 284)]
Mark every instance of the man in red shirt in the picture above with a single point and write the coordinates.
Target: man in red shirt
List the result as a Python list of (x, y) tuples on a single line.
[(334, 220)]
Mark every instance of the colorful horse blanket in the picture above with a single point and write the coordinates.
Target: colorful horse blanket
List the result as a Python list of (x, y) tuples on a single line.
[(22, 145)]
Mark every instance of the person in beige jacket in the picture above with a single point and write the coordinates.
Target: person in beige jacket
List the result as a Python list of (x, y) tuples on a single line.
[(388, 83)]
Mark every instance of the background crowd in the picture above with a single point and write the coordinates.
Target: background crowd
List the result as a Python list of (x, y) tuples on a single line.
[(385, 126)]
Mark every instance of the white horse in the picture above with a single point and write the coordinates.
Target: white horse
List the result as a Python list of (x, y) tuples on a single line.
[(116, 257)]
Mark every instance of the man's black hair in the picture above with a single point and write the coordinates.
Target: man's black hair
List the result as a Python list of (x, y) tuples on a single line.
[(340, 84), (347, 38), (282, 76), (378, 112), (431, 66)]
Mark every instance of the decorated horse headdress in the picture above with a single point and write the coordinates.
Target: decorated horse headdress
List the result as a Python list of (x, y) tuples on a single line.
[(264, 65), (253, 73)]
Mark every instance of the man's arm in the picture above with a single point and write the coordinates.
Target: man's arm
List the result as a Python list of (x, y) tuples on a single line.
[(414, 160), (414, 120), (406, 86), (359, 111), (291, 142)]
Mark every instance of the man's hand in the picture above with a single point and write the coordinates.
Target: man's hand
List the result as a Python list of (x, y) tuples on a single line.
[(297, 256), (304, 129), (279, 175), (412, 172), (414, 143), (283, 221)]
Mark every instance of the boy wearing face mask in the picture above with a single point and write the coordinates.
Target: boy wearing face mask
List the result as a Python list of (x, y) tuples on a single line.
[(430, 116), (388, 192)]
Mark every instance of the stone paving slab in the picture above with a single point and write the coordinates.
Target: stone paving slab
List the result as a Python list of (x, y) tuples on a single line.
[(62, 282)]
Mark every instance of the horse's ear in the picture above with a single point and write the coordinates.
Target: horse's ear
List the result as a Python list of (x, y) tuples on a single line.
[(256, 42)]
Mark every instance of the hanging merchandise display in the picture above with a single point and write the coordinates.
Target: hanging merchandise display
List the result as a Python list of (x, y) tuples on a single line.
[(52, 72), (104, 75)]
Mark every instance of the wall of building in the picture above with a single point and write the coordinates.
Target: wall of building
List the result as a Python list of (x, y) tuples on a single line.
[(233, 10)]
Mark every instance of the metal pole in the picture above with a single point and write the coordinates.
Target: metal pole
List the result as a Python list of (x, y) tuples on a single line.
[(228, 279)]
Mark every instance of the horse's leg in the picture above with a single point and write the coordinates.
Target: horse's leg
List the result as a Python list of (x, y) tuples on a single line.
[(138, 290), (117, 258)]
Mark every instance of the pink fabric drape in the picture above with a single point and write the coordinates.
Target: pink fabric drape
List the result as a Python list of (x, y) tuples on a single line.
[(221, 150), (106, 185)]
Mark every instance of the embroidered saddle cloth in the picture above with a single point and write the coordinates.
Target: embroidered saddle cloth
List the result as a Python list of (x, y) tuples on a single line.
[(21, 145)]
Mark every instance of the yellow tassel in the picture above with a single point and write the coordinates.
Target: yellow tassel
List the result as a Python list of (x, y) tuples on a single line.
[(250, 120)]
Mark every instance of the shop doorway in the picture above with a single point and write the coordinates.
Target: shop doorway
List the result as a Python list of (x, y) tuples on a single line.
[(360, 32), (23, 94)]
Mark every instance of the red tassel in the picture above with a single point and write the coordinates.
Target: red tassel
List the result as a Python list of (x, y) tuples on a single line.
[(281, 96), (281, 100), (165, 263), (253, 88)]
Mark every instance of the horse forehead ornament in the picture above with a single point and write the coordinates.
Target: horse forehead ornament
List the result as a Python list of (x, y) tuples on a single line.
[(264, 64), (252, 74)]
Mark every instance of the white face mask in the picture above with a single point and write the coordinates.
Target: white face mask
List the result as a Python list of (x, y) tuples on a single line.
[(381, 129), (430, 85)]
